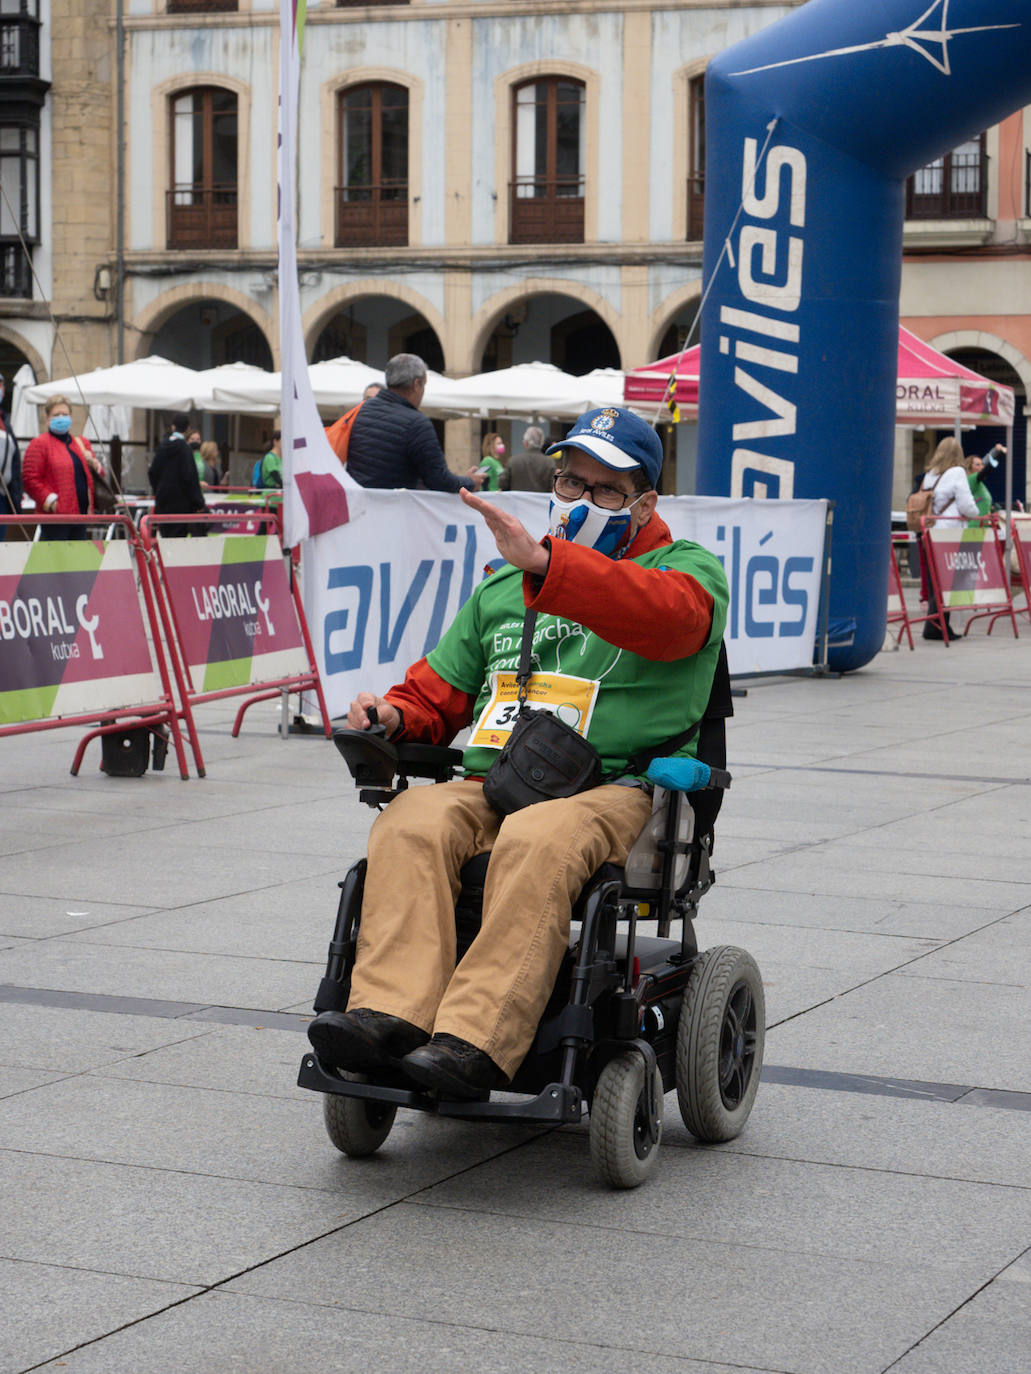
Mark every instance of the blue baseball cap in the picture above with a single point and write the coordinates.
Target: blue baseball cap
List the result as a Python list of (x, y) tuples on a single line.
[(618, 438)]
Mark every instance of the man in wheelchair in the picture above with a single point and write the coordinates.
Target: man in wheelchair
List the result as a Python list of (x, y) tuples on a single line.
[(628, 630)]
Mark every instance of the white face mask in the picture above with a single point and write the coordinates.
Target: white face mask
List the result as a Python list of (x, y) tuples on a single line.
[(582, 522)]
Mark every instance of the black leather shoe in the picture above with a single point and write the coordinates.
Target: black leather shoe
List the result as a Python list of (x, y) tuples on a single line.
[(453, 1068), (363, 1040)]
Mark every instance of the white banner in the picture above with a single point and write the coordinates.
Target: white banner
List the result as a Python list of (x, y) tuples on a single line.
[(380, 591)]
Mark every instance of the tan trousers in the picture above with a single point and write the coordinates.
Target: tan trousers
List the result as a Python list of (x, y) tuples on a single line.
[(540, 859)]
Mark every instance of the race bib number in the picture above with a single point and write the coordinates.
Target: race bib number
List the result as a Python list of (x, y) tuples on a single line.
[(570, 698)]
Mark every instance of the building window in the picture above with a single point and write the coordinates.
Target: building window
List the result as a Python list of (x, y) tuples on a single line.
[(952, 187), (202, 203), (546, 196), (202, 6), (372, 195), (19, 206), (696, 158), (19, 38)]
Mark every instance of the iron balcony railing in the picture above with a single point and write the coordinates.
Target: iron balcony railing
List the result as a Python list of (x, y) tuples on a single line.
[(15, 269), (202, 217), (19, 45), (955, 188), (372, 216), (546, 210)]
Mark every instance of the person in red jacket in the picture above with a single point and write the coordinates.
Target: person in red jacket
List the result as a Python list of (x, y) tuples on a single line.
[(58, 469)]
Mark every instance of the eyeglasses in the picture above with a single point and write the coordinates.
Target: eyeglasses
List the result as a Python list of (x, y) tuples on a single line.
[(571, 488)]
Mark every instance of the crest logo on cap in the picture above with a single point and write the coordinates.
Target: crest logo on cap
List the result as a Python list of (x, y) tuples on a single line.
[(604, 421)]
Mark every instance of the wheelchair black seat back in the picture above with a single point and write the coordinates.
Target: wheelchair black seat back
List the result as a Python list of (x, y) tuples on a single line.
[(632, 1016)]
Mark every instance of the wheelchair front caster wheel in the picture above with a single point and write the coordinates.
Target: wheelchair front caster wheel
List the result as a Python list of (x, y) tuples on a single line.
[(356, 1126), (720, 1042), (623, 1147)]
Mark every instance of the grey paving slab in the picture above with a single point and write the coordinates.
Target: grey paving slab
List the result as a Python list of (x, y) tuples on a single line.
[(930, 920), (173, 974), (47, 1309), (24, 1080), (528, 1275), (793, 1206), (151, 872), (938, 1140), (233, 1135), (998, 953), (155, 1223), (921, 1028), (301, 825), (991, 1334), (289, 920), (230, 1059), (69, 1041), (241, 1335), (37, 918), (834, 869)]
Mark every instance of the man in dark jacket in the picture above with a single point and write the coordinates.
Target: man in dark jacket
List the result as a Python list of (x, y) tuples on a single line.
[(392, 444), (174, 480), (530, 470)]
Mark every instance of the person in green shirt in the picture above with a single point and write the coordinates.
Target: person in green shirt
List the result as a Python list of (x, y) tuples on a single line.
[(272, 463), (492, 451), (975, 470), (627, 635)]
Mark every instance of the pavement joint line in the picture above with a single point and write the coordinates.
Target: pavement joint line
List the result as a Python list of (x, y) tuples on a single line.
[(204, 1290), (958, 1308), (882, 773), (781, 1074)]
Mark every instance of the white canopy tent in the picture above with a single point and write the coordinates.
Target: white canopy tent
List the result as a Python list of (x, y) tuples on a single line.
[(149, 384), (529, 391)]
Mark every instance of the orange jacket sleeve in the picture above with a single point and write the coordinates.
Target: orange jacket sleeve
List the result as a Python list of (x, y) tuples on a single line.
[(659, 613), (433, 710)]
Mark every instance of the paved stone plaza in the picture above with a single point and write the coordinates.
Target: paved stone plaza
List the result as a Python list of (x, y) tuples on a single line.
[(171, 1204)]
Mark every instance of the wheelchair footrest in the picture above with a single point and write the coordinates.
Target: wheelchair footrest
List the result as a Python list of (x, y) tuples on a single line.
[(557, 1104)]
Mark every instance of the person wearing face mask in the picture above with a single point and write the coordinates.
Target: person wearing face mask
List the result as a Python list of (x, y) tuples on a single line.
[(58, 471), (492, 451), (10, 466), (625, 646)]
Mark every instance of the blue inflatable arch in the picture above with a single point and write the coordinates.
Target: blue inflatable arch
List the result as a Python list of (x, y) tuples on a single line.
[(813, 126)]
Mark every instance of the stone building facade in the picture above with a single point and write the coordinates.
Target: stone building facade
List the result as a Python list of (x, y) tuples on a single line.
[(481, 181)]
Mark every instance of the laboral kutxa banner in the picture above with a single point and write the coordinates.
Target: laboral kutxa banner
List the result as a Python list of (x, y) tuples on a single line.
[(233, 610), (380, 591), (72, 638), (969, 565)]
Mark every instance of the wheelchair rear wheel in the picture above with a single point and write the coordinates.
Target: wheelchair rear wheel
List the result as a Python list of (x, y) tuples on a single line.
[(355, 1126), (623, 1148), (720, 1042)]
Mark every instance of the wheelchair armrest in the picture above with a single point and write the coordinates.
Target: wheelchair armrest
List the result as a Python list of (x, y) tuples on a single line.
[(369, 755), (374, 760), (686, 775), (428, 761)]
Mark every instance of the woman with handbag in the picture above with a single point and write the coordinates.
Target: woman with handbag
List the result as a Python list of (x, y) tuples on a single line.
[(58, 471), (946, 479)]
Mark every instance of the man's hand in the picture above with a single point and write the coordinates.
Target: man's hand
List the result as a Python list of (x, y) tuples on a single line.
[(476, 476), (515, 542), (387, 715)]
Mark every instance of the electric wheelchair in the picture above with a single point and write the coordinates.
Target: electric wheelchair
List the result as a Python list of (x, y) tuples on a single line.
[(631, 1016)]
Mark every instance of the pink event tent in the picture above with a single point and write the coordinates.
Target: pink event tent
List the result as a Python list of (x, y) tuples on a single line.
[(931, 390)]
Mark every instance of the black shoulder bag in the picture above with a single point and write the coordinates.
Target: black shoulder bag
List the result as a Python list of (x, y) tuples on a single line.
[(543, 758)]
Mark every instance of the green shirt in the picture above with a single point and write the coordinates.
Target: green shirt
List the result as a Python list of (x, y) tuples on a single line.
[(494, 470), (640, 702), (272, 469)]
